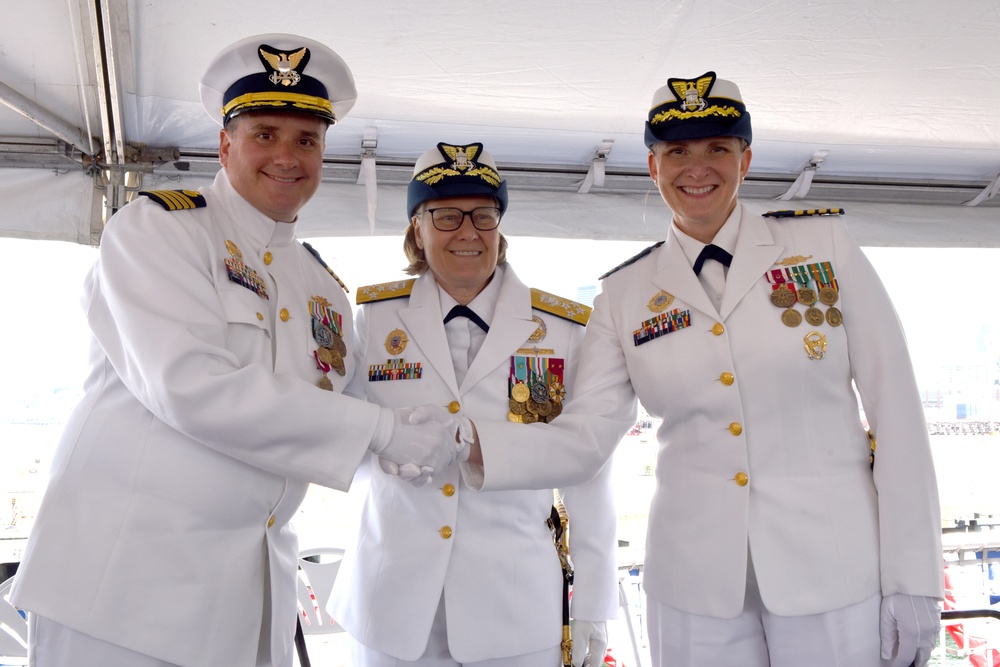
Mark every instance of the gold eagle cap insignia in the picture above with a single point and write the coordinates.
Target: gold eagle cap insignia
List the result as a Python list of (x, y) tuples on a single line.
[(284, 65), (690, 93), (462, 157)]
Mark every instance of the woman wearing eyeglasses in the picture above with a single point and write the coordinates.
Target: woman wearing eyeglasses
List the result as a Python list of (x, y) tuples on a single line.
[(441, 575)]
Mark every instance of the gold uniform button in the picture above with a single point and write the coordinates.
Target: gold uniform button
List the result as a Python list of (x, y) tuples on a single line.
[(446, 532), (454, 407), (260, 316), (267, 258), (448, 490), (735, 428), (270, 522), (718, 329), (727, 378), (283, 314), (741, 478)]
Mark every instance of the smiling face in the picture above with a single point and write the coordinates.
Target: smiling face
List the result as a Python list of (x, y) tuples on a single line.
[(274, 160), (699, 180), (462, 261)]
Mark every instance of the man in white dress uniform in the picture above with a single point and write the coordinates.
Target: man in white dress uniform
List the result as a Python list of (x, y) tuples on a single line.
[(778, 535), (440, 575), (220, 349)]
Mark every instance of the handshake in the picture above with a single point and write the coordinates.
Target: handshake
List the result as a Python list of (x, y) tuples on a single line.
[(416, 443)]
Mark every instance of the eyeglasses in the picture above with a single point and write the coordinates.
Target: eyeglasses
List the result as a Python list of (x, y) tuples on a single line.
[(484, 218)]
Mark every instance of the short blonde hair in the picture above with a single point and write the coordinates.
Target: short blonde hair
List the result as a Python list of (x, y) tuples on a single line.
[(418, 260)]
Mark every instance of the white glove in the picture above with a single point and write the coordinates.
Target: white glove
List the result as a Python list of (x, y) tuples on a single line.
[(404, 446), (460, 426), (590, 638), (909, 626)]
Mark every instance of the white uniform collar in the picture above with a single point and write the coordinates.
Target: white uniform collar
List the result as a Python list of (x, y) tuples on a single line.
[(260, 229), (725, 238), (485, 302)]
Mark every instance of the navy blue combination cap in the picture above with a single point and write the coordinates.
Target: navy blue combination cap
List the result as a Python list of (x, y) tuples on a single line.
[(455, 171), (697, 109), (278, 72)]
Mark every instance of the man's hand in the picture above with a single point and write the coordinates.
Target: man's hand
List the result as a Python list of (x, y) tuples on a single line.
[(413, 449), (909, 626), (589, 639)]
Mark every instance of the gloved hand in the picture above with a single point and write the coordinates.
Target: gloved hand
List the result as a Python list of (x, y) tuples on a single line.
[(460, 426), (589, 638), (909, 626), (405, 447)]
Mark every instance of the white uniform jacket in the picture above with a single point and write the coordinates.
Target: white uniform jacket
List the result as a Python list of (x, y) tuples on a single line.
[(200, 428), (490, 553), (760, 443)]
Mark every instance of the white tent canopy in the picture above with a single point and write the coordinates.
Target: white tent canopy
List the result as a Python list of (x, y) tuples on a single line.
[(887, 108)]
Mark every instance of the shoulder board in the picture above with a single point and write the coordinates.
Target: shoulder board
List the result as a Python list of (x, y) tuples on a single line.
[(176, 200), (560, 307), (808, 211), (315, 253), (385, 291), (634, 259)]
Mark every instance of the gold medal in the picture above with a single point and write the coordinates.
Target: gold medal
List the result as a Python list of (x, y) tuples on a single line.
[(814, 316), (516, 418), (520, 392), (544, 409), (557, 392), (783, 297), (325, 355), (828, 295), (556, 411), (807, 296), (339, 345), (396, 341), (791, 317), (233, 249), (529, 418), (324, 383), (532, 406), (834, 317), (815, 344), (540, 332), (660, 301), (517, 407)]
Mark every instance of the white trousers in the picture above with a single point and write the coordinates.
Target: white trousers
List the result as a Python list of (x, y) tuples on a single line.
[(847, 637), (438, 655)]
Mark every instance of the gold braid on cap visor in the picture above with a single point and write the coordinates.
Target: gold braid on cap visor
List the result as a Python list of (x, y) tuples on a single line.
[(278, 100), (679, 114)]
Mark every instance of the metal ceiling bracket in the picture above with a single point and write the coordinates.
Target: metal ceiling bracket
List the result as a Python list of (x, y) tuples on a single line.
[(595, 175), (367, 174), (989, 192), (800, 188)]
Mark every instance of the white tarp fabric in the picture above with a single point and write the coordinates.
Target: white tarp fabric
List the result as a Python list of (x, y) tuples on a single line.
[(894, 90)]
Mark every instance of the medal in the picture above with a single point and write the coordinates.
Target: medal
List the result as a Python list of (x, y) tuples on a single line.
[(828, 295), (807, 297), (514, 417), (814, 316), (517, 407), (520, 392), (782, 296), (834, 317), (791, 317), (660, 301), (815, 344), (396, 342), (536, 389)]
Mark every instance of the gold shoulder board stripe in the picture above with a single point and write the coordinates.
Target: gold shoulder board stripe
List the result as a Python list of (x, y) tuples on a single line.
[(633, 259), (176, 200), (385, 291), (560, 307), (808, 211)]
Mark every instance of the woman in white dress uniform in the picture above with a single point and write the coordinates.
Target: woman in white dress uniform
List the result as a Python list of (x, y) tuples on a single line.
[(440, 575), (773, 539)]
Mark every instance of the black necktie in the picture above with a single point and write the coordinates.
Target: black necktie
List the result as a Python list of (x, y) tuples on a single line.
[(465, 311), (711, 251)]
